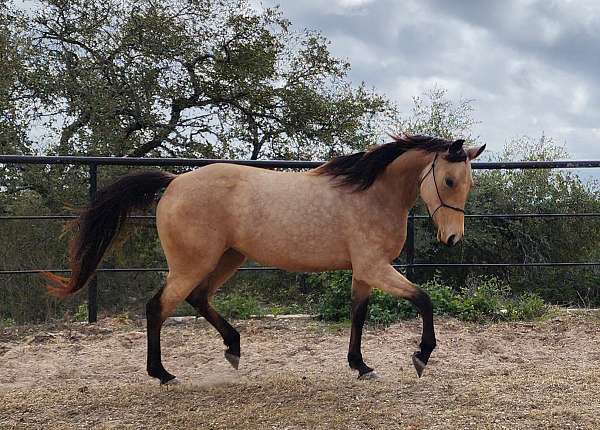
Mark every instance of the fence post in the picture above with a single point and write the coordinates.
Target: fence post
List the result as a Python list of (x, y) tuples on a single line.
[(93, 283), (410, 245)]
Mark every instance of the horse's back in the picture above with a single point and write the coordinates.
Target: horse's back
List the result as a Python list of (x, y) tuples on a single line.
[(287, 219)]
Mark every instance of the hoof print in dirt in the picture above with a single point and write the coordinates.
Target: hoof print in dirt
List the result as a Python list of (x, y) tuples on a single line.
[(419, 365), (369, 376), (234, 360), (170, 382)]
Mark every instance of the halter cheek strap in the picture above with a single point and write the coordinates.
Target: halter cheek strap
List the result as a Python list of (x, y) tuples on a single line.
[(442, 203)]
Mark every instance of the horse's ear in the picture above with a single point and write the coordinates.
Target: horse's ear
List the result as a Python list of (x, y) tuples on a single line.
[(456, 146), (473, 153)]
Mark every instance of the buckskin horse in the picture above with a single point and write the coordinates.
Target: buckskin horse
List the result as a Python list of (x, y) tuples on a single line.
[(349, 213)]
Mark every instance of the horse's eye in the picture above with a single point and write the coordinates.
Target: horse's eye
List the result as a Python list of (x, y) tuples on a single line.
[(449, 182)]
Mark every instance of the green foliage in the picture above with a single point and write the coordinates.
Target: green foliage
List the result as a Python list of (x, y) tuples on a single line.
[(81, 315), (434, 114), (7, 322), (277, 292), (16, 102), (446, 300), (484, 299), (385, 309), (237, 306), (529, 306), (217, 78), (488, 298), (334, 303)]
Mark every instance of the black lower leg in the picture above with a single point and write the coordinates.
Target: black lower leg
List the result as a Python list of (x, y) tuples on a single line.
[(359, 314), (428, 342), (153, 326), (231, 337)]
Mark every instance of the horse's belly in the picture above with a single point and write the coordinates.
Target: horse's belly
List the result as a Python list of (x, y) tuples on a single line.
[(296, 254)]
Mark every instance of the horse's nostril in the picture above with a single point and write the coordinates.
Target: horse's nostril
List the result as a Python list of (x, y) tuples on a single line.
[(452, 240)]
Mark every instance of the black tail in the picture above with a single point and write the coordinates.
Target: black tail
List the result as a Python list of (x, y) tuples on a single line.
[(99, 224)]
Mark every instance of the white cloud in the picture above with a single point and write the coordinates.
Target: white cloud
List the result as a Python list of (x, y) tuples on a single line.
[(580, 99), (353, 3), (530, 65)]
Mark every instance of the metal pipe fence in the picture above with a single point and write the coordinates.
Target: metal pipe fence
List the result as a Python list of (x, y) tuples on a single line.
[(93, 163)]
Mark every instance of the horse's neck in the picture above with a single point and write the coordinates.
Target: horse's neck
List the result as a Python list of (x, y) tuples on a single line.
[(400, 181)]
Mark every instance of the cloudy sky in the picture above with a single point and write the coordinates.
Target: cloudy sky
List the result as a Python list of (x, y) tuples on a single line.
[(532, 67)]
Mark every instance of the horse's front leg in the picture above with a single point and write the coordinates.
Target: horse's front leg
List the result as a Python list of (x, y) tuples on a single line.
[(360, 301), (387, 279)]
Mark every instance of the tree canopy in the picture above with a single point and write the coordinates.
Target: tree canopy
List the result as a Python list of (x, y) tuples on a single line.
[(13, 95), (216, 78)]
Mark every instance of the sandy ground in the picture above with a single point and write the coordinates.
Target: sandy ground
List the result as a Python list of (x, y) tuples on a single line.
[(293, 375)]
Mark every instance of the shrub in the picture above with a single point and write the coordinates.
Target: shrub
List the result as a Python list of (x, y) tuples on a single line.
[(482, 299), (6, 322), (237, 306), (384, 309), (81, 315), (335, 301), (528, 306), (336, 287), (445, 300), (489, 299)]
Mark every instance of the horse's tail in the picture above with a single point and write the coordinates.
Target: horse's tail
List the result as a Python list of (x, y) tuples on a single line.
[(99, 224)]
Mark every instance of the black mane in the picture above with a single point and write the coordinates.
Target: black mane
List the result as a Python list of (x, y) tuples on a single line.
[(360, 170)]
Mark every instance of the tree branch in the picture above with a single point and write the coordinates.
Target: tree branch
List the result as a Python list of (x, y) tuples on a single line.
[(69, 131)]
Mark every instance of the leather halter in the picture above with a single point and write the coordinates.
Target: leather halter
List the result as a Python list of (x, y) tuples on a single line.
[(442, 203)]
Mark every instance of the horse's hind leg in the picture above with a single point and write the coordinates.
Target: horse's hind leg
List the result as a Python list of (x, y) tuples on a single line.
[(179, 285), (200, 297), (154, 321)]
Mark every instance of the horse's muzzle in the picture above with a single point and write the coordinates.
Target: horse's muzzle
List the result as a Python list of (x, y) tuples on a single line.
[(453, 240)]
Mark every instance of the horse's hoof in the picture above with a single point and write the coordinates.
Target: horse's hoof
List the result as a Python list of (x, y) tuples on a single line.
[(369, 376), (234, 360), (171, 382), (419, 365)]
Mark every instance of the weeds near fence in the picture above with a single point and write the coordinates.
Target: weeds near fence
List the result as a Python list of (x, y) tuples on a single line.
[(482, 299)]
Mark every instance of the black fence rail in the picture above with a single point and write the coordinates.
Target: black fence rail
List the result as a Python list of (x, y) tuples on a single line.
[(410, 265)]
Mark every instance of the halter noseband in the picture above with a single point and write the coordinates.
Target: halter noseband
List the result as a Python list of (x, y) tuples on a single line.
[(442, 203)]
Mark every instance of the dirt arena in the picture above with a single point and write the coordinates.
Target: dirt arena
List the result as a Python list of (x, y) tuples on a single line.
[(293, 375)]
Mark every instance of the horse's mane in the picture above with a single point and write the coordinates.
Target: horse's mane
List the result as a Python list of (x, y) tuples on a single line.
[(360, 170)]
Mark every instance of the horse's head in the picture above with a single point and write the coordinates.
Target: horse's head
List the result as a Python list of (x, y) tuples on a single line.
[(444, 186)]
